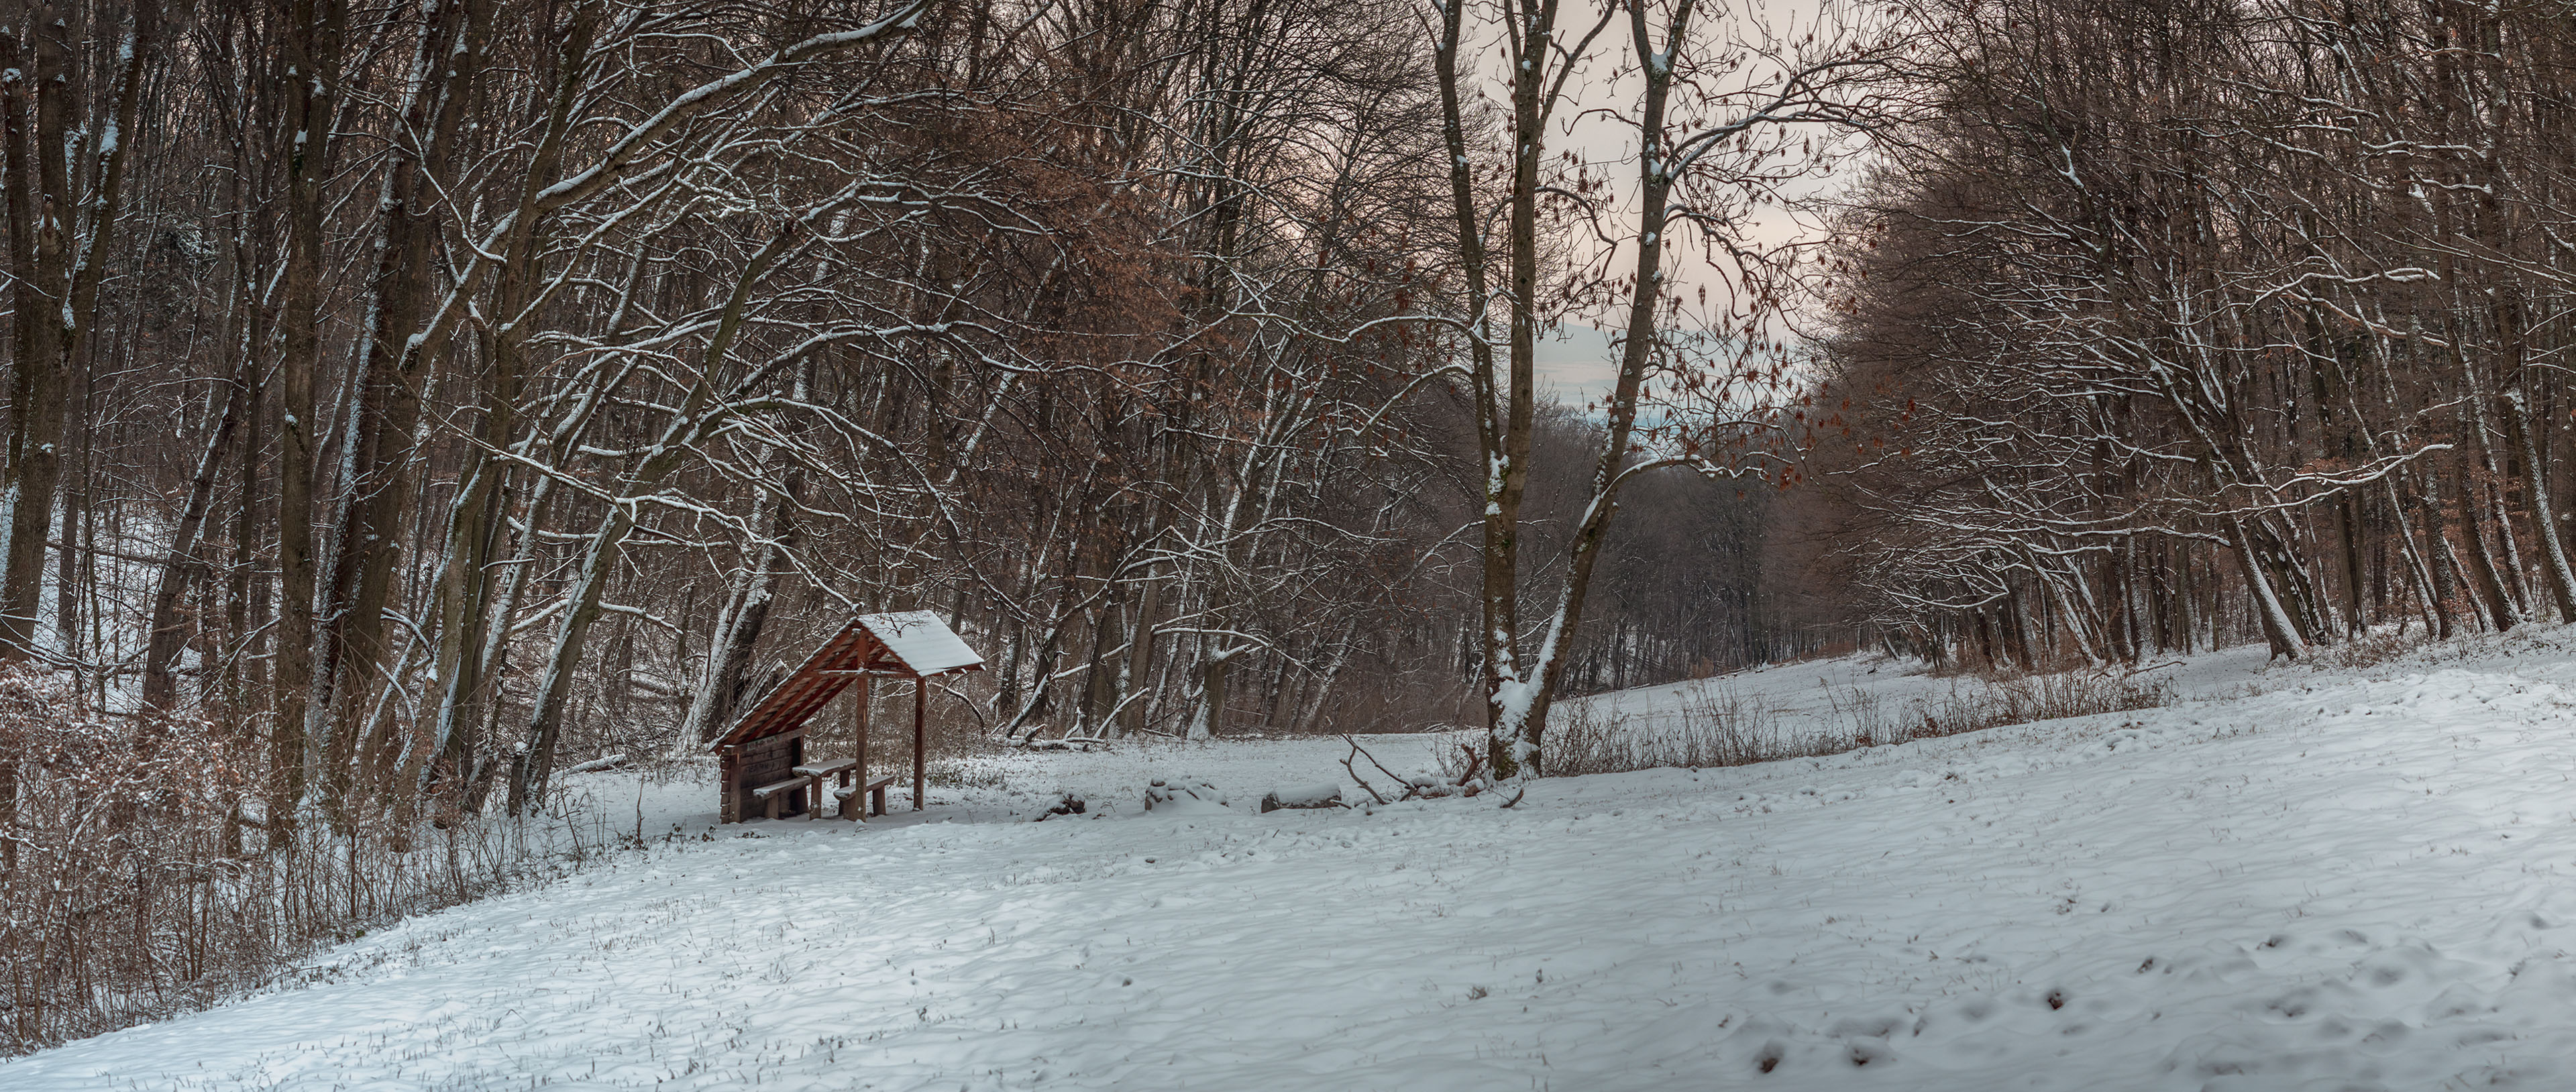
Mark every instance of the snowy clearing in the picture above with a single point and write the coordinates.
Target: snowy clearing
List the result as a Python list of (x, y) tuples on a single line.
[(2293, 878)]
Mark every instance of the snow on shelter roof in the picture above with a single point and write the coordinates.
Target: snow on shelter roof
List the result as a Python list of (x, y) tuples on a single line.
[(905, 644), (921, 642)]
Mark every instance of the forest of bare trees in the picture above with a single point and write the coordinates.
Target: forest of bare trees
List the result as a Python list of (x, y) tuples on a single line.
[(2182, 324), (410, 400)]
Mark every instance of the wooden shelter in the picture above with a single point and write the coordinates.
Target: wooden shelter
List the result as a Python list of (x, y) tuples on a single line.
[(766, 769)]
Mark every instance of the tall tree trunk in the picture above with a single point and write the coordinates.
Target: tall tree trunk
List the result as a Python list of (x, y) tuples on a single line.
[(1499, 637), (312, 44), (2429, 582), (2523, 426), (2279, 629), (38, 195), (76, 526), (1136, 665)]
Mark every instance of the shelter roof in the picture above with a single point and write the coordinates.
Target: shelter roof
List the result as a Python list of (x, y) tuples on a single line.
[(919, 641), (905, 644)]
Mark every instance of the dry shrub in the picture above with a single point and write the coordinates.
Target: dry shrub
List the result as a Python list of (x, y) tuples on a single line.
[(1717, 727), (1720, 727), (1972, 706), (126, 894), (2371, 650)]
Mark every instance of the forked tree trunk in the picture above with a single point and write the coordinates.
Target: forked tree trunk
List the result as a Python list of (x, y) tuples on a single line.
[(2502, 611), (2524, 426), (475, 534), (746, 613), (58, 255), (2279, 629), (393, 365), (165, 634)]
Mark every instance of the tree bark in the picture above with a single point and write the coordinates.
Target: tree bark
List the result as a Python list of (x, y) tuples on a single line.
[(165, 635)]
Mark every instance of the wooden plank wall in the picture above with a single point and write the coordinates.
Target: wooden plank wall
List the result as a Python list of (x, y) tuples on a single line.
[(760, 762)]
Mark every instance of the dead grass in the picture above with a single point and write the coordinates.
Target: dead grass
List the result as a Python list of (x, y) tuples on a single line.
[(1971, 706), (1718, 727), (2372, 650), (1722, 727)]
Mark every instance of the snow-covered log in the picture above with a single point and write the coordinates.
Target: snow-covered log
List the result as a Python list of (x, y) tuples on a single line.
[(1321, 794)]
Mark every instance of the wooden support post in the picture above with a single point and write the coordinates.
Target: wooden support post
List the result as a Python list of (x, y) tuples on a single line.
[(731, 765), (920, 700), (859, 731)]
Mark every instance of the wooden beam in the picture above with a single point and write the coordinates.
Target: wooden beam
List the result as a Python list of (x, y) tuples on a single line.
[(920, 699), (859, 730)]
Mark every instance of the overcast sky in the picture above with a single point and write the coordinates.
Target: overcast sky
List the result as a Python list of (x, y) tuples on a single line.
[(1576, 364)]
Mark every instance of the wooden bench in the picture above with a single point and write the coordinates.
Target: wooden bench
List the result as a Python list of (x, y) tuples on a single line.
[(771, 796), (875, 792)]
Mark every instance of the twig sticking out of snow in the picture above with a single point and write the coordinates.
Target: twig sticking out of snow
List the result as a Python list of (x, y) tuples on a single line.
[(1399, 779), (1356, 752), (1467, 778)]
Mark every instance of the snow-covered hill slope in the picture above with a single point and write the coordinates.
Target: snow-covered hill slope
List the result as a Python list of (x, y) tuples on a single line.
[(2348, 880)]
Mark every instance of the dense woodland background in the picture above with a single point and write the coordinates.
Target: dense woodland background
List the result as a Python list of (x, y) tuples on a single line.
[(428, 396), (408, 400), (2185, 324)]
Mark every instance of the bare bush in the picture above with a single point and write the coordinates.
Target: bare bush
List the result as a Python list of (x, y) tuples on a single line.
[(2374, 649), (1971, 706), (125, 895), (1718, 726)]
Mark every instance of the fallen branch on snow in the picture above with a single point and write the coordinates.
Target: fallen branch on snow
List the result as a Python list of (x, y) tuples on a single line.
[(1357, 751)]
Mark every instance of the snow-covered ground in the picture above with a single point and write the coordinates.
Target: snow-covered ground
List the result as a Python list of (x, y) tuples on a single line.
[(2295, 878)]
